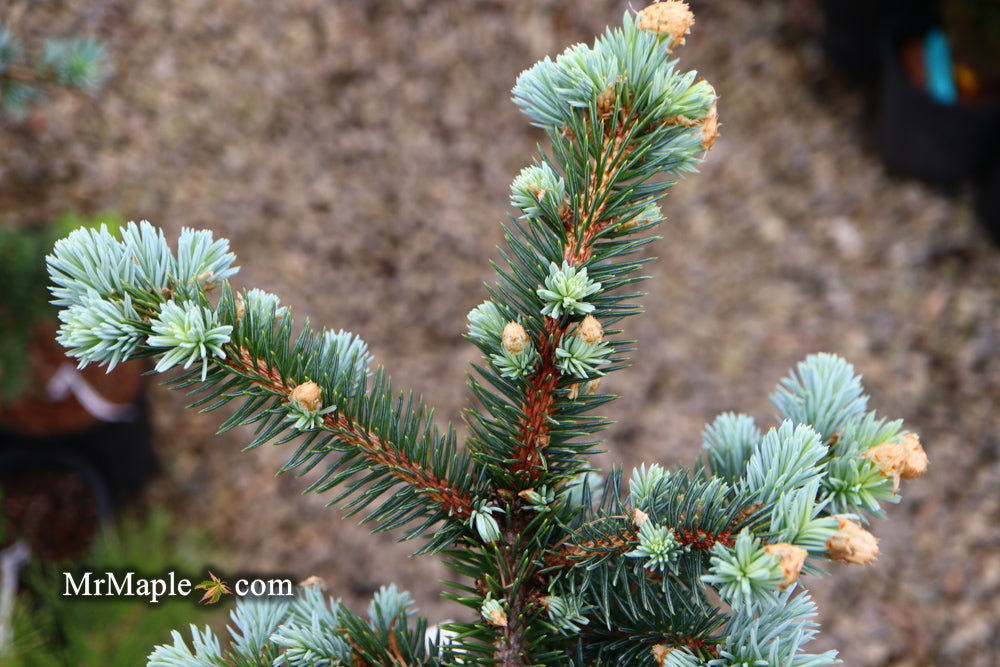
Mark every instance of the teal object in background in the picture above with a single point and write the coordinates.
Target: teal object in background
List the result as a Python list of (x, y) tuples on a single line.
[(938, 67)]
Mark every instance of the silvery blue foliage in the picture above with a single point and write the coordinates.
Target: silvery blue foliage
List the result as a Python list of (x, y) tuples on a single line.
[(348, 353), (148, 249), (787, 457), (492, 609), (616, 114), (77, 63), (263, 306), (775, 637), (201, 259), (629, 61), (565, 291), (581, 359), (254, 621), (642, 216), (860, 435), (853, 484), (540, 499), (681, 657), (518, 365), (566, 612), (585, 73), (682, 96), (483, 522), (190, 333), (304, 633), (538, 93), (538, 190), (730, 441), (640, 54), (486, 322), (389, 605), (309, 636), (658, 545), (100, 330), (88, 259), (823, 392), (205, 650), (646, 485), (745, 575), (94, 259), (798, 519), (305, 418)]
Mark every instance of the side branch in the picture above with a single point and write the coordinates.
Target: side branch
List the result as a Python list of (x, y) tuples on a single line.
[(374, 448), (619, 544)]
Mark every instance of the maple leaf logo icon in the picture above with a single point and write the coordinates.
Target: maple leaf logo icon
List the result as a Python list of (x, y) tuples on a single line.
[(215, 588)]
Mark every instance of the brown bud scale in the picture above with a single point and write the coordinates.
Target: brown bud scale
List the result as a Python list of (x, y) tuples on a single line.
[(514, 338), (792, 559), (852, 544), (308, 395), (672, 17)]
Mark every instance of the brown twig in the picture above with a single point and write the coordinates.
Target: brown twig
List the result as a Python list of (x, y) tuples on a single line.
[(454, 500), (627, 540), (539, 395)]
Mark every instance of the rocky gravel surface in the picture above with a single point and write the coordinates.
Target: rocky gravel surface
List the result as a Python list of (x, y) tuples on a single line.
[(358, 155)]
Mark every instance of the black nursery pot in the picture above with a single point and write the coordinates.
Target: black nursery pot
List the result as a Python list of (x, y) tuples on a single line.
[(853, 30), (59, 488), (53, 499), (918, 136), (102, 419), (120, 453)]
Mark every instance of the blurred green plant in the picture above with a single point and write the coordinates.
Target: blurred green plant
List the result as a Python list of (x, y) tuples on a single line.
[(24, 298), (76, 63), (52, 631)]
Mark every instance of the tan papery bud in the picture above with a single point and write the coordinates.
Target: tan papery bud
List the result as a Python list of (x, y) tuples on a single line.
[(308, 395), (710, 128), (514, 338), (903, 458), (590, 330), (672, 17), (792, 559), (852, 543)]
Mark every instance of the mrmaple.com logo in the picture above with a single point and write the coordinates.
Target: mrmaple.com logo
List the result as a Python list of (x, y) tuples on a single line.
[(126, 584)]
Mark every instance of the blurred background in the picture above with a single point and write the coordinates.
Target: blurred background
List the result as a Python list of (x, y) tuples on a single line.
[(358, 155)]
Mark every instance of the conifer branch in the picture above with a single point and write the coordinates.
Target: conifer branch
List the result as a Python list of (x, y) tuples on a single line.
[(621, 542), (539, 397), (456, 502), (77, 64), (141, 300), (554, 567)]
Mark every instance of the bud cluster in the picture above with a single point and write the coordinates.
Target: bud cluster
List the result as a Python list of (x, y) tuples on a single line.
[(852, 543), (671, 18), (904, 458), (305, 406), (517, 357), (566, 290)]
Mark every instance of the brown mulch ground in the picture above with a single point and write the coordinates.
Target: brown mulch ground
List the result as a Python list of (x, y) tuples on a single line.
[(358, 155)]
